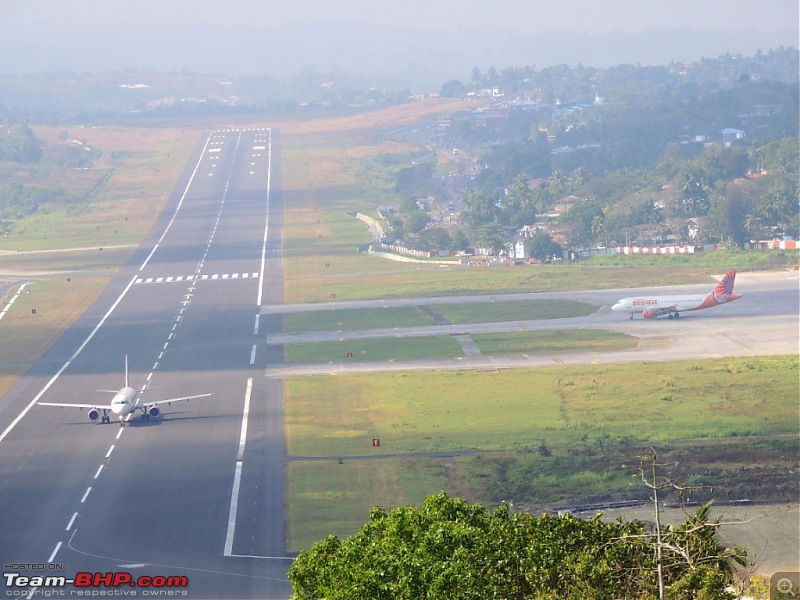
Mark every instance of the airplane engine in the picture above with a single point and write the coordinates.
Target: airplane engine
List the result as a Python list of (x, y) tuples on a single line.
[(153, 411), (649, 313), (94, 414)]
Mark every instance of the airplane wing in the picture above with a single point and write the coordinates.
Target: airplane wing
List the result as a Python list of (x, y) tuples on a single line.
[(107, 407), (168, 400)]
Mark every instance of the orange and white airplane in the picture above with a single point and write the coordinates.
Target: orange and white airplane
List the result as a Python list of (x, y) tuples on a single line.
[(655, 306), (124, 403)]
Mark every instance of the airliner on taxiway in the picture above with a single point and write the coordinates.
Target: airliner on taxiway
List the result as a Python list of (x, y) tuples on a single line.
[(655, 306), (125, 402)]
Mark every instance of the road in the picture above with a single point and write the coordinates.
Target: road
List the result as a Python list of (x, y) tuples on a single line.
[(763, 322), (199, 492)]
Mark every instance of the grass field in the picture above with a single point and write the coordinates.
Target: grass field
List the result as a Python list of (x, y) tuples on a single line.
[(370, 282), (587, 419), (370, 318), (553, 342), (380, 349), (115, 201), (494, 344), (414, 316), (469, 410)]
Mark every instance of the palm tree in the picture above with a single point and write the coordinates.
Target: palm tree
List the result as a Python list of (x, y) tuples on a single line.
[(558, 182), (580, 176), (754, 226)]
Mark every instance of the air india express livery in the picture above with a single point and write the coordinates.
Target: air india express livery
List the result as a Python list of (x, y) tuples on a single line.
[(124, 403), (655, 306)]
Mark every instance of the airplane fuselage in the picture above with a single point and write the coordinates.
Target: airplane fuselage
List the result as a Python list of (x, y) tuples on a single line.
[(655, 306), (123, 402), (642, 303)]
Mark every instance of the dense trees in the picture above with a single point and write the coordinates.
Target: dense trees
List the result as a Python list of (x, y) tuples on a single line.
[(19, 144), (449, 548), (18, 201), (650, 155), (542, 247)]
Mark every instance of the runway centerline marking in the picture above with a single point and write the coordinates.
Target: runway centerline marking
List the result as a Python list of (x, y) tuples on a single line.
[(71, 521), (245, 416), (86, 494), (55, 551)]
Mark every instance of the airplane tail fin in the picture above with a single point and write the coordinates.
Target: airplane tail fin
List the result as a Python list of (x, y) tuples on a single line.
[(724, 290)]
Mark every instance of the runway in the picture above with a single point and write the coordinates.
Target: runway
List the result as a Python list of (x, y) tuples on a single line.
[(763, 322), (199, 492)]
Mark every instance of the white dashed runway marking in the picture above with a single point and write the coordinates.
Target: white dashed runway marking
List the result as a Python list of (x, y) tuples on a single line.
[(176, 279)]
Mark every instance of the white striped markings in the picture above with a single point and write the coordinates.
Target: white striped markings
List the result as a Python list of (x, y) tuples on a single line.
[(180, 278)]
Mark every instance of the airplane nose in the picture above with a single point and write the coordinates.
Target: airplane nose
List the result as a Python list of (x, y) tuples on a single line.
[(616, 307)]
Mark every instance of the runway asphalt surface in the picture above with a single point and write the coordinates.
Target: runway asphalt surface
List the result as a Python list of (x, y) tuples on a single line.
[(199, 492)]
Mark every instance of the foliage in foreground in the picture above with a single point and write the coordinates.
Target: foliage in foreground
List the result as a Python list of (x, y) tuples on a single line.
[(449, 548)]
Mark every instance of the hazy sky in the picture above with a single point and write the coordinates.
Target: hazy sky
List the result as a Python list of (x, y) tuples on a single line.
[(523, 15), (392, 42)]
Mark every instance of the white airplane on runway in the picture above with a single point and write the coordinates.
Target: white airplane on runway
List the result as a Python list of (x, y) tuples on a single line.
[(655, 306), (124, 403)]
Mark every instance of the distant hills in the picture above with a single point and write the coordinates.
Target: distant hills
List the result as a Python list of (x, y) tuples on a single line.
[(383, 56)]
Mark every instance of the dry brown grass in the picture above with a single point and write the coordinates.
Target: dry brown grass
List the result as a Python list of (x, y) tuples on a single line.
[(369, 123), (122, 192)]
